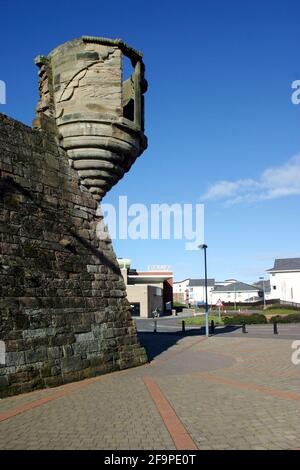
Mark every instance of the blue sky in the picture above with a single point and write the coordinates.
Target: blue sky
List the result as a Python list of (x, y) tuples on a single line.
[(221, 125)]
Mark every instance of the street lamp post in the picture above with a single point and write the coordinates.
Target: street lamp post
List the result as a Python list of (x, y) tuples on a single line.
[(234, 298), (204, 247), (263, 280)]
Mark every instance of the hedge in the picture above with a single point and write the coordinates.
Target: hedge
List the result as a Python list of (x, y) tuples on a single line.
[(178, 304), (280, 306), (291, 318), (254, 318)]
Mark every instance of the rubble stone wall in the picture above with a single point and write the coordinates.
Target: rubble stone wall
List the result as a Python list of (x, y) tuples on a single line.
[(64, 314)]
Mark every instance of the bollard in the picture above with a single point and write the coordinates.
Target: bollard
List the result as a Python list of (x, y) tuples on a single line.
[(244, 328), (183, 326), (275, 330), (212, 327), (155, 326)]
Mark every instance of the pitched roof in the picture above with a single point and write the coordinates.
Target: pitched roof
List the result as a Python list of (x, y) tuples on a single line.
[(286, 264), (201, 282), (263, 285), (235, 287), (179, 282)]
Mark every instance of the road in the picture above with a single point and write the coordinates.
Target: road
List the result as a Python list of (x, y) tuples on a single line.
[(173, 325)]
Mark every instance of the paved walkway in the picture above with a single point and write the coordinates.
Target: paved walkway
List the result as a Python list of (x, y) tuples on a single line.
[(224, 392)]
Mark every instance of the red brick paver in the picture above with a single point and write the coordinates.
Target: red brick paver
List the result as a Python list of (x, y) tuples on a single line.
[(181, 438)]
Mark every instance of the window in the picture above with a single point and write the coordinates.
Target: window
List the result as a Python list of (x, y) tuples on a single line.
[(128, 88), (135, 309), (158, 291), (274, 287)]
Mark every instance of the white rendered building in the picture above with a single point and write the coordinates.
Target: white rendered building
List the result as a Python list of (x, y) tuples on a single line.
[(285, 280)]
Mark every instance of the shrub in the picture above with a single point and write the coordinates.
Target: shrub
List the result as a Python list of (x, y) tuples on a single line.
[(280, 307), (178, 304), (254, 318), (291, 318)]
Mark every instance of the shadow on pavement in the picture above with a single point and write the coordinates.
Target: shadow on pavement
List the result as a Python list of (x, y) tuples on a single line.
[(157, 343), (222, 330)]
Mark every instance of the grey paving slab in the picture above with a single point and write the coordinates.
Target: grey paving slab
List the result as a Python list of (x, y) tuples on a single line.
[(229, 393)]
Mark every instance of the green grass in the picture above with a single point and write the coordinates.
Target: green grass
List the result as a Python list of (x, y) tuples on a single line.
[(242, 307), (280, 311), (201, 320)]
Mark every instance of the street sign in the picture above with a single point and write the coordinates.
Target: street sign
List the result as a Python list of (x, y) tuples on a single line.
[(220, 305)]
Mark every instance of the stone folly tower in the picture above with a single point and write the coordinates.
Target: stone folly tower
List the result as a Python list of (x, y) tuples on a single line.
[(64, 314), (99, 117)]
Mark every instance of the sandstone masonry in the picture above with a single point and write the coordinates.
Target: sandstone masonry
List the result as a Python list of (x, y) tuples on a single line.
[(64, 314)]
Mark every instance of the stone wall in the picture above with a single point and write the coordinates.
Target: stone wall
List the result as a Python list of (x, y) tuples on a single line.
[(64, 314)]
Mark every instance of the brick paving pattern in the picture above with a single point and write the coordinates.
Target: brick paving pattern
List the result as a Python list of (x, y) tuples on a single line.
[(226, 392)]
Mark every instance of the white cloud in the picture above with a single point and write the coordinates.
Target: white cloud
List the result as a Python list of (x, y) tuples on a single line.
[(274, 182)]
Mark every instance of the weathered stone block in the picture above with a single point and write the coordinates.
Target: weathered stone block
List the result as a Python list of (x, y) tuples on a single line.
[(14, 358), (3, 381), (85, 337), (38, 332), (73, 364), (67, 350), (108, 333), (54, 352), (38, 355)]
